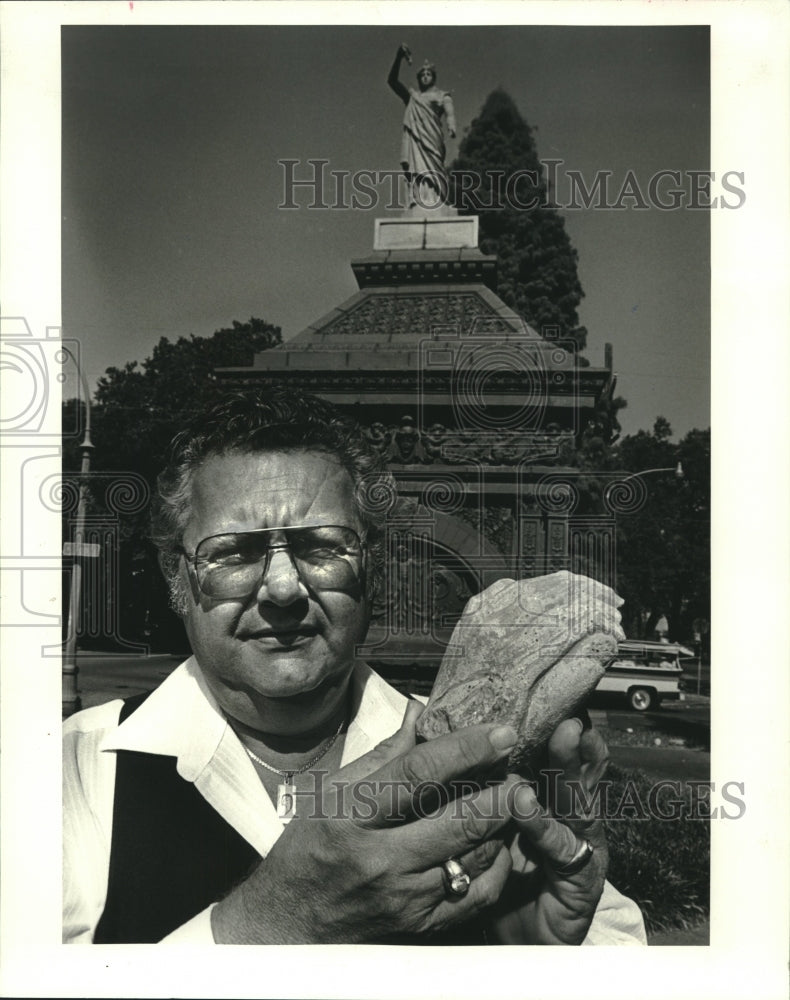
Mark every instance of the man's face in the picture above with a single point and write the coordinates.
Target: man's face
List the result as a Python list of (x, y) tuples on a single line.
[(425, 79), (285, 640)]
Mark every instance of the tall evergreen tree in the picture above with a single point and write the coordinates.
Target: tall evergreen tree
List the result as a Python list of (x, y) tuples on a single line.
[(497, 175)]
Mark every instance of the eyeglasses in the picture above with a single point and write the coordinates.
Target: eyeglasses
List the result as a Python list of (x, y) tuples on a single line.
[(326, 557)]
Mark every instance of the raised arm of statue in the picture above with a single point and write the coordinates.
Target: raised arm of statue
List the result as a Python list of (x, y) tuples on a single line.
[(402, 92)]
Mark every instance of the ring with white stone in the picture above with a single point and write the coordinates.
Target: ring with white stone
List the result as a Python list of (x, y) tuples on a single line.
[(456, 878)]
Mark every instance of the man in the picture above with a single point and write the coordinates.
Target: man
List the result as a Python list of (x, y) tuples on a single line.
[(270, 790)]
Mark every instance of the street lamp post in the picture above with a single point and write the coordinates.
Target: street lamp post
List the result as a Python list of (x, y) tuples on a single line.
[(677, 469), (70, 694)]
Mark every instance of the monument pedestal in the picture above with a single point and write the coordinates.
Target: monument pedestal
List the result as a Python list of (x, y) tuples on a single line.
[(426, 233)]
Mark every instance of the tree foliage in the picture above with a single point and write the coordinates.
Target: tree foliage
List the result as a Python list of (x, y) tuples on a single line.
[(663, 548), (138, 408), (537, 263), (662, 523), (136, 412)]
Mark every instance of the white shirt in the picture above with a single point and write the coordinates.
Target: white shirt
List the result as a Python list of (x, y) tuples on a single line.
[(182, 719)]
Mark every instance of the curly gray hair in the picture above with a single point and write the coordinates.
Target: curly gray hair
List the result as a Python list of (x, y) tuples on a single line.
[(269, 420)]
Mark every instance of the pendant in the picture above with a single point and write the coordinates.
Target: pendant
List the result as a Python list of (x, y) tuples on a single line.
[(286, 800)]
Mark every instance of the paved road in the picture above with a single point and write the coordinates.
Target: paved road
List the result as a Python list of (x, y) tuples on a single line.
[(687, 720), (106, 676)]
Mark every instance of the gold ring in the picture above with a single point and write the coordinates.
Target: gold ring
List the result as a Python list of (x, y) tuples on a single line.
[(583, 854), (456, 878)]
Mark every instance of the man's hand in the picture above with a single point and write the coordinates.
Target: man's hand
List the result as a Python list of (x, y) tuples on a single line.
[(368, 865), (539, 906)]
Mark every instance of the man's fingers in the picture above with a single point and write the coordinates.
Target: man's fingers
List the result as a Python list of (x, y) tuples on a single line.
[(582, 758), (460, 825), (400, 742), (404, 784), (595, 757), (481, 858), (592, 747), (563, 748), (553, 841), (564, 756), (484, 891), (414, 710)]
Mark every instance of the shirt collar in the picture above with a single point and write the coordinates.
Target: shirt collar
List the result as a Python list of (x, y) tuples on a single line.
[(378, 710), (182, 719)]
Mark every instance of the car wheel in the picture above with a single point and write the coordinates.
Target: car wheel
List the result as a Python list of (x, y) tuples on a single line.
[(641, 699)]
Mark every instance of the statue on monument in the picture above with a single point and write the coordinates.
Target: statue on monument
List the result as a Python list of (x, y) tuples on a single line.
[(423, 149)]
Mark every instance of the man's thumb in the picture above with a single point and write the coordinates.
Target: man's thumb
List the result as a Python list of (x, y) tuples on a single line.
[(401, 741)]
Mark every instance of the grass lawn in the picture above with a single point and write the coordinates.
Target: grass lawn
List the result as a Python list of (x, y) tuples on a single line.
[(648, 736), (662, 864)]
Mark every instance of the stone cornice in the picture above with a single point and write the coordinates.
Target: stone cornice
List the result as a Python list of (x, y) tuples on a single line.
[(359, 371), (426, 267)]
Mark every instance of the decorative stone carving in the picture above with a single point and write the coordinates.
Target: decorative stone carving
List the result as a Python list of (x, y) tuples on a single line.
[(384, 317), (529, 536), (408, 448), (426, 588), (406, 444)]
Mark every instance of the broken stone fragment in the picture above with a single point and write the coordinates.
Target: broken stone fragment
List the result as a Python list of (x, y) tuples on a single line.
[(525, 653)]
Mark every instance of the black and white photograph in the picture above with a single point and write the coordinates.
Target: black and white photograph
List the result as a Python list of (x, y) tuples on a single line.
[(450, 313)]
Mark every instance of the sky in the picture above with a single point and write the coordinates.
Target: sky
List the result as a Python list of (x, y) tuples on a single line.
[(171, 180)]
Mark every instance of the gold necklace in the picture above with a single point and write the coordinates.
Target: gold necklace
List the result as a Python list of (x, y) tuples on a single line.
[(286, 790)]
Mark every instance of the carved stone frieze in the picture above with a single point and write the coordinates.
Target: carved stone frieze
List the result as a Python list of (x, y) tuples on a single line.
[(426, 588), (386, 316), (407, 444)]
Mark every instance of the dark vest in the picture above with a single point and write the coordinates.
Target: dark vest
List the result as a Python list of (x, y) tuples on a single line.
[(172, 854)]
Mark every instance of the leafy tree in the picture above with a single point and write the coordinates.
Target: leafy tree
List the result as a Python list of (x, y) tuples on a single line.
[(663, 547), (662, 523), (135, 414), (498, 177), (138, 408)]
